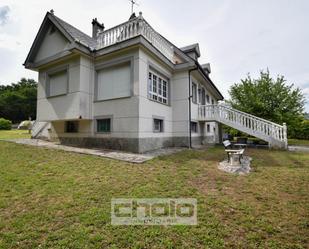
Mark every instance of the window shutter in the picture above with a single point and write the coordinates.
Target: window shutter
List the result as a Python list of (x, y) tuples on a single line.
[(58, 83), (114, 82)]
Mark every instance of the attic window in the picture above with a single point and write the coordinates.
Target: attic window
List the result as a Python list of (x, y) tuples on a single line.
[(52, 30)]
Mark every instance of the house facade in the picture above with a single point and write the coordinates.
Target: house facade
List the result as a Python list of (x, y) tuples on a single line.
[(124, 88), (129, 88)]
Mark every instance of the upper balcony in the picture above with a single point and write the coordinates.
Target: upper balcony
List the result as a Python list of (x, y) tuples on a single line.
[(133, 28)]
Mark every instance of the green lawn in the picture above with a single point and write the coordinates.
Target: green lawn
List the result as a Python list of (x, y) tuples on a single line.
[(55, 199), (298, 142), (13, 134)]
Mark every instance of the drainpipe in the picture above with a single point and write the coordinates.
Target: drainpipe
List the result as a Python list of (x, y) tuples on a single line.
[(189, 98)]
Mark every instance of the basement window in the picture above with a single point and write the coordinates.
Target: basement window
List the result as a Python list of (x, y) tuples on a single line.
[(71, 126), (157, 125), (104, 125)]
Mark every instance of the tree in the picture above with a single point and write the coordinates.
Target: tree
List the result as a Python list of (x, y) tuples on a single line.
[(271, 99), (18, 101)]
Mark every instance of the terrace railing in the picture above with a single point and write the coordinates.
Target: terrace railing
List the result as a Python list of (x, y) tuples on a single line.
[(133, 28)]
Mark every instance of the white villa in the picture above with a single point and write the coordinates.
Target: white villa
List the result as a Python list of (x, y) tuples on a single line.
[(129, 88)]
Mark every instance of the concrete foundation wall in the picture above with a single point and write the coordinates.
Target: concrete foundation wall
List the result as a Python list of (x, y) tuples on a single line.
[(135, 145)]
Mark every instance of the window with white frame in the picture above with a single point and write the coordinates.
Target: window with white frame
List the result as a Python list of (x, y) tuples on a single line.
[(194, 92), (157, 88), (207, 99)]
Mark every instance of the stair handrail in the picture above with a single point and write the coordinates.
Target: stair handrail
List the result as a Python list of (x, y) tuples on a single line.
[(243, 113), (255, 124), (252, 116)]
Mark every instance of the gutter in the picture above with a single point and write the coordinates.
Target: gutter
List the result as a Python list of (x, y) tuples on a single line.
[(189, 99)]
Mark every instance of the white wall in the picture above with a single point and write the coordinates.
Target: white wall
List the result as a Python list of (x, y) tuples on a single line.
[(70, 106), (148, 109), (52, 44), (180, 104), (124, 111)]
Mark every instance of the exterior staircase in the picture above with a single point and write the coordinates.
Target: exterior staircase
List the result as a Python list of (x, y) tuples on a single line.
[(40, 129), (274, 134)]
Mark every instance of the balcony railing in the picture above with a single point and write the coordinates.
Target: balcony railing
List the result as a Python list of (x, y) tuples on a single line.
[(133, 28)]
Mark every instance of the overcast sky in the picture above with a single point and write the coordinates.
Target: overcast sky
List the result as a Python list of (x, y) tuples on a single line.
[(236, 36)]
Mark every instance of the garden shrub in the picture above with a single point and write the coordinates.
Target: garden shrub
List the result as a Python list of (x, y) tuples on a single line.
[(5, 124)]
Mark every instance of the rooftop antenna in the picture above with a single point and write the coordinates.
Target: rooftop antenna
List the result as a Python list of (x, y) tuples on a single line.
[(133, 2)]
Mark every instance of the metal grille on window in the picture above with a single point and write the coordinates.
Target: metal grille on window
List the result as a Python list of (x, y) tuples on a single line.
[(103, 125)]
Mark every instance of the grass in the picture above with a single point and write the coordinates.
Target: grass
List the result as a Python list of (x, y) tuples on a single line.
[(56, 199), (14, 134), (298, 142)]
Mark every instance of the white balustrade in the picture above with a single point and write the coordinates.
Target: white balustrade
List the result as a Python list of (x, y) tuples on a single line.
[(133, 28), (245, 122)]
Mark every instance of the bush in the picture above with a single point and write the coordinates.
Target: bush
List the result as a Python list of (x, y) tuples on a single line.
[(5, 124), (302, 131)]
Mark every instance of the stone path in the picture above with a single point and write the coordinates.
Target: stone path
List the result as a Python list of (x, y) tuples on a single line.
[(241, 169), (298, 148), (118, 155)]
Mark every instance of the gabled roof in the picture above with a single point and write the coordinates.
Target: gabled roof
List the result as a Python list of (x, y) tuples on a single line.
[(72, 34), (75, 33)]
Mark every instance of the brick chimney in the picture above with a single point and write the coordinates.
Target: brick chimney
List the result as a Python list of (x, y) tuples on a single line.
[(96, 27)]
